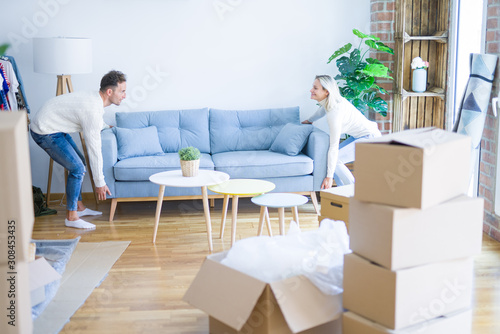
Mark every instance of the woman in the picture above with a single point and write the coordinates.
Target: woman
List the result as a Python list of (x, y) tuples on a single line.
[(342, 117)]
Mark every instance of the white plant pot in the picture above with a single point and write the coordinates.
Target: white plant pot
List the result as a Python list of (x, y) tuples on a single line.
[(190, 167), (419, 80)]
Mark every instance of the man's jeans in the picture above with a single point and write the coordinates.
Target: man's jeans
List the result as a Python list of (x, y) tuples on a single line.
[(63, 150)]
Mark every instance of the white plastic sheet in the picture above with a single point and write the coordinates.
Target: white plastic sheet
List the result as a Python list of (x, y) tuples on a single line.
[(318, 255)]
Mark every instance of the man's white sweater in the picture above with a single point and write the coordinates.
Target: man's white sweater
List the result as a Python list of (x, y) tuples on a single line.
[(75, 112)]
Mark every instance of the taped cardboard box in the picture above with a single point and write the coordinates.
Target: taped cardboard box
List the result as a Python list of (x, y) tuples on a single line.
[(239, 303), (406, 297), (335, 202), (41, 273), (415, 168), (15, 300), (16, 194), (456, 323), (397, 238)]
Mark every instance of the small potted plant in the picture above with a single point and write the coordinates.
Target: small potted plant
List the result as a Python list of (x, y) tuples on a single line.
[(419, 77), (190, 160)]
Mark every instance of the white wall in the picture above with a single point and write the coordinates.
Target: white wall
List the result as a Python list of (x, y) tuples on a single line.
[(187, 53)]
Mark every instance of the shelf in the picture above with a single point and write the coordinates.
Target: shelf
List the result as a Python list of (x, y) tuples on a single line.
[(432, 92), (439, 37)]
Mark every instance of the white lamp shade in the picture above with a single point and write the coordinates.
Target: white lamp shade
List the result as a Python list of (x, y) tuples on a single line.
[(62, 55)]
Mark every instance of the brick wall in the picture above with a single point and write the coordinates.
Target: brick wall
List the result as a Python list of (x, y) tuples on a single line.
[(382, 26), (489, 141)]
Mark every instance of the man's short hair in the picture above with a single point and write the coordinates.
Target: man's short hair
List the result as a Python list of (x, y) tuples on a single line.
[(111, 80)]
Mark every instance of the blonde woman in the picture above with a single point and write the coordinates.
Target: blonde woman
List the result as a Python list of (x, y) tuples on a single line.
[(343, 118)]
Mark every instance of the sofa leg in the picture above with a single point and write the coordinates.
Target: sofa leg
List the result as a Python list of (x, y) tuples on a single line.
[(114, 202), (314, 200)]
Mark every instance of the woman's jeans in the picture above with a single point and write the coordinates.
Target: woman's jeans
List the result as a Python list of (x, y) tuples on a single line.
[(342, 174), (63, 150)]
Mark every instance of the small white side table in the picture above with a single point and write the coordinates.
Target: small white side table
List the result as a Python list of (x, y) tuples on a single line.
[(280, 201), (174, 178)]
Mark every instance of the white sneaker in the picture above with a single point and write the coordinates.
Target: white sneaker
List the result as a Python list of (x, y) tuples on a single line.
[(80, 223), (88, 212)]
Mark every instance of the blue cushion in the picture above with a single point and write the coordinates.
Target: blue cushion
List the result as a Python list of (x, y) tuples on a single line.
[(176, 128), (137, 142), (292, 138), (248, 130)]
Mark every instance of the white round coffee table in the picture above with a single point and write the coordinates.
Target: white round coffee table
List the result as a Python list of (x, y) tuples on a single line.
[(174, 178), (280, 201)]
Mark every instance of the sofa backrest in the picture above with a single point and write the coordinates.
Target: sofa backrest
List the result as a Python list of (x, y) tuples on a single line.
[(176, 128), (248, 130)]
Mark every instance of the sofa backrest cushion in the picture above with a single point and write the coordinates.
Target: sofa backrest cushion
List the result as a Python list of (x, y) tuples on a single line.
[(247, 130), (176, 128)]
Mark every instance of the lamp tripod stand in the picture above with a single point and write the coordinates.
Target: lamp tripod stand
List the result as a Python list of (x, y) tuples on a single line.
[(64, 86)]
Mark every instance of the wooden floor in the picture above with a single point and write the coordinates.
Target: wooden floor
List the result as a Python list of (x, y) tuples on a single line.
[(143, 292)]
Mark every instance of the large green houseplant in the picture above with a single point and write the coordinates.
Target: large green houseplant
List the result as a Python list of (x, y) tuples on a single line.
[(357, 77), (3, 48)]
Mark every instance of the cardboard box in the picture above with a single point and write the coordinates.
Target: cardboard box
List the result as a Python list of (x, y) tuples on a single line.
[(456, 323), (415, 168), (41, 273), (335, 202), (16, 194), (397, 238), (15, 299), (238, 303), (403, 298)]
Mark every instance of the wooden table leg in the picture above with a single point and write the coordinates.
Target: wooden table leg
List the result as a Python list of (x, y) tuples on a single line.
[(235, 215), (268, 222), (295, 213), (158, 211), (224, 214), (281, 214), (261, 220), (206, 209)]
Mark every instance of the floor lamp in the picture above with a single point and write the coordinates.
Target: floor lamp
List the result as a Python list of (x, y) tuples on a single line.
[(64, 56)]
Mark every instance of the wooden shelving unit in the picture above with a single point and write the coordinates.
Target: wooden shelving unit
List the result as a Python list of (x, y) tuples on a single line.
[(421, 30)]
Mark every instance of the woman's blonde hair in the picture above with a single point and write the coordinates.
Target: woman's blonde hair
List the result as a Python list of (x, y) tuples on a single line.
[(331, 86)]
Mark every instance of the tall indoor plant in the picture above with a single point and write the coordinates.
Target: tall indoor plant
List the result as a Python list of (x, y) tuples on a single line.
[(357, 77)]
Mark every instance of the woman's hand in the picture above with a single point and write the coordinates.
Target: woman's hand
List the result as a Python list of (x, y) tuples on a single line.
[(327, 183), (101, 192), (306, 122)]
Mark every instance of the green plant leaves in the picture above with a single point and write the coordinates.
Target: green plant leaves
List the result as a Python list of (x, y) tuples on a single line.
[(379, 46), (363, 36), (340, 51), (360, 83), (3, 48), (377, 70)]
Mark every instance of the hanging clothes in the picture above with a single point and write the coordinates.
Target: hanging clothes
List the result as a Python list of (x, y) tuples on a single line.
[(11, 79), (17, 98)]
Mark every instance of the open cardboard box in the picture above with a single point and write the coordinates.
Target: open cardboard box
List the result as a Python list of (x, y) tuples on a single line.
[(457, 323), (397, 238), (414, 168), (238, 303), (41, 273), (16, 194), (406, 297)]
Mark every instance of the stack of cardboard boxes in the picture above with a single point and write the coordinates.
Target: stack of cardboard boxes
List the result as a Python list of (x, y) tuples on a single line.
[(413, 235)]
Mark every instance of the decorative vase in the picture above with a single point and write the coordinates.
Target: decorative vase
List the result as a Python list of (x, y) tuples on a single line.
[(190, 167), (419, 81)]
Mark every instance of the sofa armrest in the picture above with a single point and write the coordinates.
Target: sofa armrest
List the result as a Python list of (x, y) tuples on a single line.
[(317, 149), (109, 158)]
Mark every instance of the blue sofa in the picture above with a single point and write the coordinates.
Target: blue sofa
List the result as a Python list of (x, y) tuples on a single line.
[(236, 142)]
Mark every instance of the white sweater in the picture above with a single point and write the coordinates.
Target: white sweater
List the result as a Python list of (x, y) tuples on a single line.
[(343, 118), (75, 112)]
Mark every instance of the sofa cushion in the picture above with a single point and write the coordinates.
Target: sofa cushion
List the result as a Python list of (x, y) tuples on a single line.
[(248, 130), (176, 128), (262, 164), (137, 142), (292, 138), (140, 169)]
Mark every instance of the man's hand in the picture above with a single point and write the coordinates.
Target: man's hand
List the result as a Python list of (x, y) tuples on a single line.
[(306, 122), (327, 183), (101, 192)]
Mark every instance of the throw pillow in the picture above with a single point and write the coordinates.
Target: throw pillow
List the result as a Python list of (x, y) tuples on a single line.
[(137, 142), (292, 138)]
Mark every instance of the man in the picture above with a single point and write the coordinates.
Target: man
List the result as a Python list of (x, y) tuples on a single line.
[(78, 112)]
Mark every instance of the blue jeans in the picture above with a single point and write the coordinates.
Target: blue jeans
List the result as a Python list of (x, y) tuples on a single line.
[(63, 150)]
